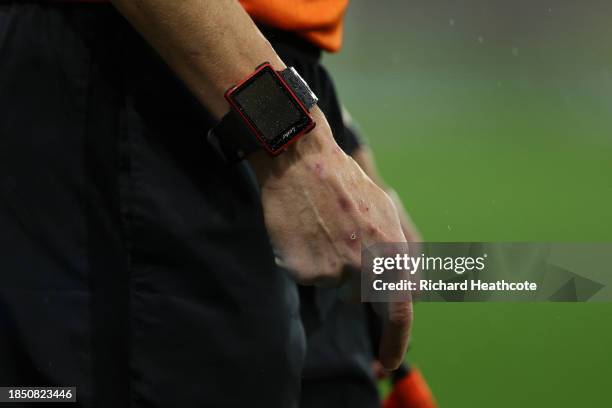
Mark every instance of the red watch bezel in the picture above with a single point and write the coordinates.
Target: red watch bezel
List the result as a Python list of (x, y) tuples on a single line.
[(229, 96)]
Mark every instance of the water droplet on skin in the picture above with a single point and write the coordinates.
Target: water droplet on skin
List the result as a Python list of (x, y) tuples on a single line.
[(353, 241)]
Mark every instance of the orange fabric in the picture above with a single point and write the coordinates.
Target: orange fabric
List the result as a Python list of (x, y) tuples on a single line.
[(318, 21), (411, 391)]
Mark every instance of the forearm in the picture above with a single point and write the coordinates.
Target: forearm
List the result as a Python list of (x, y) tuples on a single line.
[(211, 45)]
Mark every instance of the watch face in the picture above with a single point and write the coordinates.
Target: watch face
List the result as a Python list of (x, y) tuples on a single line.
[(273, 113)]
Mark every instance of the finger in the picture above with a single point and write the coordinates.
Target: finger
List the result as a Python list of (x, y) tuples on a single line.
[(396, 334)]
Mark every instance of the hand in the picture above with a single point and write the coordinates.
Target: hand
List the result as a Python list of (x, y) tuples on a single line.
[(320, 208)]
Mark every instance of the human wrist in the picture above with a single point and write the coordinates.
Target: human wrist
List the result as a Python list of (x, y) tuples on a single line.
[(316, 146)]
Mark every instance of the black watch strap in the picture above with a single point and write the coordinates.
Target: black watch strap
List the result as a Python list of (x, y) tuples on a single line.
[(233, 139)]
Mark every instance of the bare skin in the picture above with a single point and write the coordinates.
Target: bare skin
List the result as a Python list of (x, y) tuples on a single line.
[(319, 206), (365, 159)]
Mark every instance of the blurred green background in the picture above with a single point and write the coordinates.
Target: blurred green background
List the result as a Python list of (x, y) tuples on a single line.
[(493, 120)]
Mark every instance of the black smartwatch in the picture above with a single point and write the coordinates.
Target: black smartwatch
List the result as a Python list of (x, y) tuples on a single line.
[(269, 110)]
